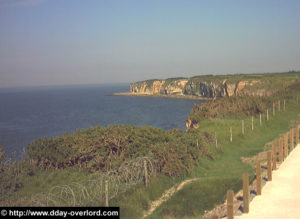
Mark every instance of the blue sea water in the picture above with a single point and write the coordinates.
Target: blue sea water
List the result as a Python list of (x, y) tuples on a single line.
[(30, 113)]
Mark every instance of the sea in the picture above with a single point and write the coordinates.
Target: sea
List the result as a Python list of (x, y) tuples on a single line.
[(28, 113)]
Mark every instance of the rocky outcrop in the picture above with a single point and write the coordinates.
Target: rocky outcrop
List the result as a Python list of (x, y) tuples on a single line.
[(191, 124), (205, 89), (159, 87), (147, 87), (176, 87), (230, 89), (200, 87)]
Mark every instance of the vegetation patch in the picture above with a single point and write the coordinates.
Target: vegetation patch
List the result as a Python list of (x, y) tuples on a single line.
[(230, 106), (102, 149)]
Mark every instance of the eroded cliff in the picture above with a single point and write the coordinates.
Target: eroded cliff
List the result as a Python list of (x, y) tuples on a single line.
[(202, 86), (242, 88), (159, 87)]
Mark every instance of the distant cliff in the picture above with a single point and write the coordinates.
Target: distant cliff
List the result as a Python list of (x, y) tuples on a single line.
[(243, 94), (249, 93), (201, 86)]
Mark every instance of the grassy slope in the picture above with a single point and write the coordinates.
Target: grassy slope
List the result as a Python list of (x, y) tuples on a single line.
[(225, 172), (45, 180), (42, 181)]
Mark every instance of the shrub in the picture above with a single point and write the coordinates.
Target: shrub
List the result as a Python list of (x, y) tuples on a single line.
[(103, 149)]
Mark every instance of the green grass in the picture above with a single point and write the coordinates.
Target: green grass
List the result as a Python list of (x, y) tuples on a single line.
[(186, 203), (225, 172), (38, 182), (43, 180), (135, 201)]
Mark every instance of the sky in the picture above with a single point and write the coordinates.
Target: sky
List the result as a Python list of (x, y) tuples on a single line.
[(62, 42)]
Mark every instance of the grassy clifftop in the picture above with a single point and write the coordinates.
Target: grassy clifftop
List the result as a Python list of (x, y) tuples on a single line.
[(211, 86)]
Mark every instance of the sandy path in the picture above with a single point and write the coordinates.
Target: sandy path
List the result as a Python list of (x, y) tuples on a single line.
[(280, 198), (167, 194)]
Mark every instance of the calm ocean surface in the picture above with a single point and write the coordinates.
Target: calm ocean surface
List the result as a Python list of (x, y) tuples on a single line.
[(30, 113)]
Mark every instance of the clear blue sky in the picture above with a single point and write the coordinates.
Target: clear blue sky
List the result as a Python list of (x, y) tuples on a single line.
[(54, 42)]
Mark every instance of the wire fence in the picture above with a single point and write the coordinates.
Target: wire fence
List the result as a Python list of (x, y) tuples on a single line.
[(101, 188)]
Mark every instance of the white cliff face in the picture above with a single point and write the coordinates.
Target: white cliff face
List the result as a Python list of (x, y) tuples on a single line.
[(153, 87), (176, 88), (199, 88), (159, 87)]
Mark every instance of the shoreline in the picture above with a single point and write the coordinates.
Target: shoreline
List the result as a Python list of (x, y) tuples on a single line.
[(187, 97)]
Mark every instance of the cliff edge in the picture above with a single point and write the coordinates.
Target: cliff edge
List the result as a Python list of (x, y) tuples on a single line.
[(201, 86)]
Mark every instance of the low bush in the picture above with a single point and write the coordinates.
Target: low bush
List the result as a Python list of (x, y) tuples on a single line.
[(103, 149)]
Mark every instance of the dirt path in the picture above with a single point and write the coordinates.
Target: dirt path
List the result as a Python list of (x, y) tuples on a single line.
[(280, 197), (167, 194)]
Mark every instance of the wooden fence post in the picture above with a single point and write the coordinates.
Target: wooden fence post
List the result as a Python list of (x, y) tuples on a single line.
[(214, 216), (106, 193), (280, 150), (274, 157), (297, 134), (267, 114), (243, 128), (258, 178), (216, 140), (246, 192), (230, 195), (269, 155), (260, 119), (284, 105), (292, 139), (273, 109), (230, 134), (293, 136), (279, 105), (252, 126), (286, 139), (146, 173)]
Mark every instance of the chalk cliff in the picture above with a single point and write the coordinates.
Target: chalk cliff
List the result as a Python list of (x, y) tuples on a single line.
[(216, 86), (208, 87)]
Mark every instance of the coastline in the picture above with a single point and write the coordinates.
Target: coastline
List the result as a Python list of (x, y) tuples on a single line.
[(187, 97)]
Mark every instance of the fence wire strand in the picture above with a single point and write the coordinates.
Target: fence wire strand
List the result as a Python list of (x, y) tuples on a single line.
[(91, 191)]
